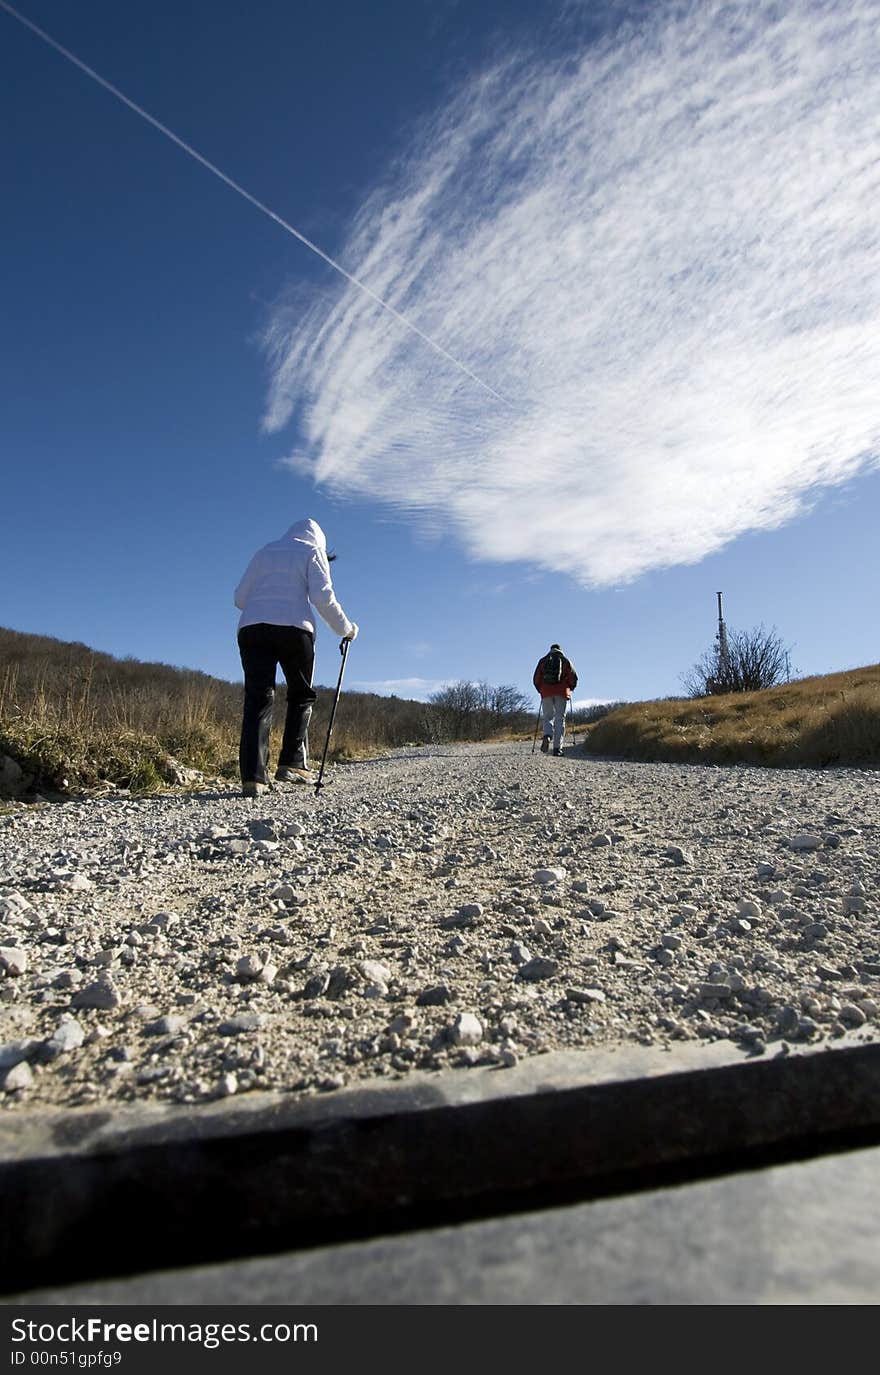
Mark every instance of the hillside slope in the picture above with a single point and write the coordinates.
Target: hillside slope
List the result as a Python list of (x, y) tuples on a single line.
[(833, 719), (72, 716)]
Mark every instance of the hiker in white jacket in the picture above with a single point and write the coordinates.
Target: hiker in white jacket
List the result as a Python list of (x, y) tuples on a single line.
[(280, 586)]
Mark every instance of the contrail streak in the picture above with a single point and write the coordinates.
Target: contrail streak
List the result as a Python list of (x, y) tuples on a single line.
[(169, 133)]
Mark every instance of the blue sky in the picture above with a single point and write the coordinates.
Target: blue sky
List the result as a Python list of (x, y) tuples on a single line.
[(647, 232)]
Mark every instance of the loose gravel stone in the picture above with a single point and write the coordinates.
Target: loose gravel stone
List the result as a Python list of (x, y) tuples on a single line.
[(169, 1025), (245, 1021), (538, 968), (678, 855), (467, 1030), (102, 994), (854, 904), (852, 1015), (68, 1035), (19, 1077), (804, 841), (434, 997), (13, 960), (544, 876)]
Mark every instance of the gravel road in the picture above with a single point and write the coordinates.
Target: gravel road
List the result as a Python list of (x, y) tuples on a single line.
[(436, 908)]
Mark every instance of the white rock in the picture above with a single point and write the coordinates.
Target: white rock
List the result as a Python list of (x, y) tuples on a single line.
[(545, 876), (249, 967), (585, 995), (67, 1036), (14, 905), (467, 1030), (678, 855), (373, 971), (471, 911), (13, 960), (748, 908), (19, 1077), (852, 904)]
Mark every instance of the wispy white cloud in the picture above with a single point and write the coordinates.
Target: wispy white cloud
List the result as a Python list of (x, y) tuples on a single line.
[(418, 689), (664, 253)]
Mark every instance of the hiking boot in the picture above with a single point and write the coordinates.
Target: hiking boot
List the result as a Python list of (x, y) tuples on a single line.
[(286, 773), (557, 753), (253, 788), (545, 744)]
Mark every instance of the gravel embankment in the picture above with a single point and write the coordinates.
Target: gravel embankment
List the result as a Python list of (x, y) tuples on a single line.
[(436, 908)]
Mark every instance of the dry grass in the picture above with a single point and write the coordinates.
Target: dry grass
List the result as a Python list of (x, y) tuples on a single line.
[(80, 731), (813, 722), (74, 718)]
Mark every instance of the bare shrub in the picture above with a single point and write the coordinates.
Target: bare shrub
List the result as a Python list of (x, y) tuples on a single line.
[(473, 711), (750, 661)]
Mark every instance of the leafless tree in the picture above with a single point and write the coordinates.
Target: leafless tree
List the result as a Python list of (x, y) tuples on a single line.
[(470, 711), (754, 659)]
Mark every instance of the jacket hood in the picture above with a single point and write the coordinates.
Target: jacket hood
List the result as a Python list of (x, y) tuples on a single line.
[(308, 532)]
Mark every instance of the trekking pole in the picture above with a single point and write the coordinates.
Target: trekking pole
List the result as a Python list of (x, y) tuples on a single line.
[(537, 724), (343, 650), (571, 721)]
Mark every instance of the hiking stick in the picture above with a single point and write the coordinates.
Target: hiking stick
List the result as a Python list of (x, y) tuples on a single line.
[(343, 650), (537, 724)]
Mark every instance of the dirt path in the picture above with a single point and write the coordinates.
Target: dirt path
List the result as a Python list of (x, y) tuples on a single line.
[(436, 908)]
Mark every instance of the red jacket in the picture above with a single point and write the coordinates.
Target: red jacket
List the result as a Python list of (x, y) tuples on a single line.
[(561, 689)]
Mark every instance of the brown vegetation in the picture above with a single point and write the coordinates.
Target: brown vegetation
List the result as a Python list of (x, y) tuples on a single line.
[(72, 717), (822, 721)]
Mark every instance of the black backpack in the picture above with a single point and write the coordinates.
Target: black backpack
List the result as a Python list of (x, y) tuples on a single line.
[(552, 669)]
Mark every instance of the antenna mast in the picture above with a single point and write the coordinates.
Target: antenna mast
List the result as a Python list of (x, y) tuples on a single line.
[(723, 653)]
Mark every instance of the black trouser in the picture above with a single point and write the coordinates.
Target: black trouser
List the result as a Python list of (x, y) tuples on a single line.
[(262, 648)]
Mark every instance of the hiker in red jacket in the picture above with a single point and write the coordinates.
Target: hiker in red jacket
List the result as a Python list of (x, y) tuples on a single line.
[(555, 679)]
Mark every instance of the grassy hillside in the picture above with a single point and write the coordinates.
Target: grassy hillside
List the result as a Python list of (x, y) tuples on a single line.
[(833, 719), (71, 717)]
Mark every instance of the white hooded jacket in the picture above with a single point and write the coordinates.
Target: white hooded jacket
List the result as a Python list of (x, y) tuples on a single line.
[(285, 579)]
